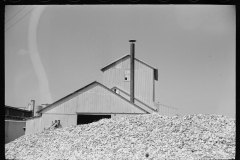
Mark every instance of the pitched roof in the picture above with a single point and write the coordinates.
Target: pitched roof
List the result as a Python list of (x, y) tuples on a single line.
[(15, 117), (95, 82), (128, 56)]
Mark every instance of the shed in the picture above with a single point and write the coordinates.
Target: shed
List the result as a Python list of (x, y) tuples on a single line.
[(88, 104)]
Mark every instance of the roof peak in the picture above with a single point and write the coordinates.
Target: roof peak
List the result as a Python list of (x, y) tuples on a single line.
[(128, 55)]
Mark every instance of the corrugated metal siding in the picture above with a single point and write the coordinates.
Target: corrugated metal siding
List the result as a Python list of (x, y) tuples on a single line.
[(144, 78)]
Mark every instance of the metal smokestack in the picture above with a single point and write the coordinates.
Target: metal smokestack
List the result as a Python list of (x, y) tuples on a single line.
[(29, 106), (33, 106), (132, 57)]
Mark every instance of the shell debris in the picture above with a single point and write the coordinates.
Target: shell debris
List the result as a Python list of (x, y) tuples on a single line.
[(151, 136)]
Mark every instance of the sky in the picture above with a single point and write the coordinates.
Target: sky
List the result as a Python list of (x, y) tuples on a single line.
[(52, 51)]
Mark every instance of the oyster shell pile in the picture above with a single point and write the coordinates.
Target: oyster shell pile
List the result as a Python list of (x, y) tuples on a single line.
[(151, 136)]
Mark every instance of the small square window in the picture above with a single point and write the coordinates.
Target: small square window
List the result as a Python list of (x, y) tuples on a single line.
[(127, 78)]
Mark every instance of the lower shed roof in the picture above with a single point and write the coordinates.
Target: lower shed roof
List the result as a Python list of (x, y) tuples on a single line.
[(109, 102)]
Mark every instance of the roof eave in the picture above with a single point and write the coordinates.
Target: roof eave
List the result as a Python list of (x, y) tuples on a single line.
[(40, 111), (114, 62)]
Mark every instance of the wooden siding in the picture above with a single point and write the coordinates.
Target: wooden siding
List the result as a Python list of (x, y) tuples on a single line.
[(33, 125), (94, 99), (150, 107), (36, 125), (65, 119), (100, 100), (166, 110), (144, 78), (121, 115), (66, 106)]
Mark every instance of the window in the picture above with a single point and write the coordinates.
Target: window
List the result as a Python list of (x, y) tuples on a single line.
[(127, 75)]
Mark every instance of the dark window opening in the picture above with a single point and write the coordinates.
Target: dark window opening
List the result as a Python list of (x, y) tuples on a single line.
[(86, 119), (125, 78)]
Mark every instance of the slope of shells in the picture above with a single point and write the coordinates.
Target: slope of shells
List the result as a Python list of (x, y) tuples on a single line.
[(150, 136)]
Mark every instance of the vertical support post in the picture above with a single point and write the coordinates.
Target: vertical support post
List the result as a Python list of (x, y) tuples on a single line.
[(132, 57)]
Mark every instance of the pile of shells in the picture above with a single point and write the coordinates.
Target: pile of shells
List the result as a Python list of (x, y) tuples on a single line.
[(150, 136)]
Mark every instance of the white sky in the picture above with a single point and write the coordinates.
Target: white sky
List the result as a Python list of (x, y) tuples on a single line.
[(193, 48)]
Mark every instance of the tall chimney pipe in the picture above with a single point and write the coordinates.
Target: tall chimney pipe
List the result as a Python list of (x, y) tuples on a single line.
[(33, 106), (29, 106), (132, 57)]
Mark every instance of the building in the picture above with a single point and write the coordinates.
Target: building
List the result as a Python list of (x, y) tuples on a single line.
[(15, 122), (128, 89)]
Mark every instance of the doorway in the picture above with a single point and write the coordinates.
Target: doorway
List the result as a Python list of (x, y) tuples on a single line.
[(86, 118)]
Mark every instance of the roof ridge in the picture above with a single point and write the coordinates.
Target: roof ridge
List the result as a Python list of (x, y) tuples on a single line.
[(86, 87), (114, 62), (124, 57)]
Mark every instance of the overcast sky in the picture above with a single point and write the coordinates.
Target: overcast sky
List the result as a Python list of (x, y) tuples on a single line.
[(52, 51)]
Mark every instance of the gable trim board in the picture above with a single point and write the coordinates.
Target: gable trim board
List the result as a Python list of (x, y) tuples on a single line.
[(153, 109), (76, 93), (128, 56)]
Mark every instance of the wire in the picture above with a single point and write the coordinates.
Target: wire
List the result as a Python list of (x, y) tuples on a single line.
[(20, 19), (15, 14)]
